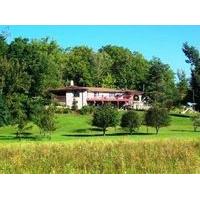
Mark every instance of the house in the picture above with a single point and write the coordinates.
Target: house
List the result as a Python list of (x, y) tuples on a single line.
[(97, 96)]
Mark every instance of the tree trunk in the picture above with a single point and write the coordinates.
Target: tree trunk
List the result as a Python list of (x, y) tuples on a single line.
[(131, 131), (104, 131), (157, 130), (147, 130)]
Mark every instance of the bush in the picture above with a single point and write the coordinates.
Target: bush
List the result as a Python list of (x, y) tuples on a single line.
[(131, 120), (157, 117), (61, 110), (104, 117), (74, 105), (87, 110), (66, 110), (196, 121)]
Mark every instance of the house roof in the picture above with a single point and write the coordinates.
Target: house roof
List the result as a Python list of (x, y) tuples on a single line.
[(92, 89)]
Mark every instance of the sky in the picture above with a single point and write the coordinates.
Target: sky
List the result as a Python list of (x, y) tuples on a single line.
[(164, 41)]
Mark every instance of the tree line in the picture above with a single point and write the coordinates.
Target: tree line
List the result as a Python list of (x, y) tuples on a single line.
[(28, 68)]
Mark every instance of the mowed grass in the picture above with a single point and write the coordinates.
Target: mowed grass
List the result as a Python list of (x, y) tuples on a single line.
[(77, 147), (73, 127)]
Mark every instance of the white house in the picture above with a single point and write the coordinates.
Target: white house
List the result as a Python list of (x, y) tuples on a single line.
[(98, 96)]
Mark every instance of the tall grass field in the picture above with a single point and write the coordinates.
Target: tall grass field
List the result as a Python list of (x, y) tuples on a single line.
[(124, 157)]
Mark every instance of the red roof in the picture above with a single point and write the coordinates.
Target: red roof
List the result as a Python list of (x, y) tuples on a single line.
[(94, 89)]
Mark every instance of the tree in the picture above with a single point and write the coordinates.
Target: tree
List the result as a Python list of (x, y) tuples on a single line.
[(160, 86), (79, 65), (196, 121), (182, 87), (130, 120), (193, 58), (104, 117), (128, 69), (157, 117), (45, 120), (4, 112), (101, 71)]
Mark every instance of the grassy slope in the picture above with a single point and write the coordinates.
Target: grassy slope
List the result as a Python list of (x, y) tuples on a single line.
[(176, 149), (73, 127)]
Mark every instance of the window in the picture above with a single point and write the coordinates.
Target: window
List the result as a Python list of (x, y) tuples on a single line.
[(76, 94)]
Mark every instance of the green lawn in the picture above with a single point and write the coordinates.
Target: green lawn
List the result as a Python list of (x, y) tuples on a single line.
[(73, 127)]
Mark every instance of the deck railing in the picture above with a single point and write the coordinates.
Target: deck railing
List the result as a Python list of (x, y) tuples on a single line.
[(123, 98)]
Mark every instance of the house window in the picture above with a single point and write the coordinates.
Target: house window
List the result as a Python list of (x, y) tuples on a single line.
[(76, 94), (96, 94), (136, 98)]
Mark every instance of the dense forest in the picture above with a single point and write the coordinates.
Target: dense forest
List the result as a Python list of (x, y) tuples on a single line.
[(28, 68)]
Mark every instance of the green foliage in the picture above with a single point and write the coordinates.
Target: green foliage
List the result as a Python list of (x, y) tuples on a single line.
[(160, 85), (196, 121), (62, 110), (104, 117), (157, 117), (128, 69), (182, 87), (131, 120), (4, 113), (193, 58), (85, 110), (45, 120), (74, 105), (79, 65)]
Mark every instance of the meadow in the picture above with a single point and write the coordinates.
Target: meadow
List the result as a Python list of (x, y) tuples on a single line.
[(77, 147)]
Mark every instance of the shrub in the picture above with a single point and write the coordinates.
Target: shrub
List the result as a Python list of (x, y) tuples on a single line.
[(66, 110), (131, 120), (157, 117), (61, 110), (104, 117), (74, 105), (87, 110), (196, 121)]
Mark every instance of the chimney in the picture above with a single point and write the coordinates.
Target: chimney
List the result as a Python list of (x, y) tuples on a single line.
[(71, 83)]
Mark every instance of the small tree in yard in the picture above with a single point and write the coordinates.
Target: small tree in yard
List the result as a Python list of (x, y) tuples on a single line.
[(157, 117), (46, 120), (196, 121), (131, 120), (104, 117)]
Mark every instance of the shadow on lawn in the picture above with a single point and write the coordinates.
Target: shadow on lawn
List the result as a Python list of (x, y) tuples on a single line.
[(24, 136), (181, 130), (84, 130), (101, 134)]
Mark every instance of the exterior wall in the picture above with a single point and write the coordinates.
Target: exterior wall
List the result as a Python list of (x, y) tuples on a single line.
[(81, 100), (69, 99)]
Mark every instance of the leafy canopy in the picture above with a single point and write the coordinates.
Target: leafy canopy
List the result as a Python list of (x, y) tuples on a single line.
[(104, 117)]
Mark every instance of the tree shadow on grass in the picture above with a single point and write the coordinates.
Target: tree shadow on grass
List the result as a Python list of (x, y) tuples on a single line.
[(108, 134), (24, 136), (84, 130), (181, 130)]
